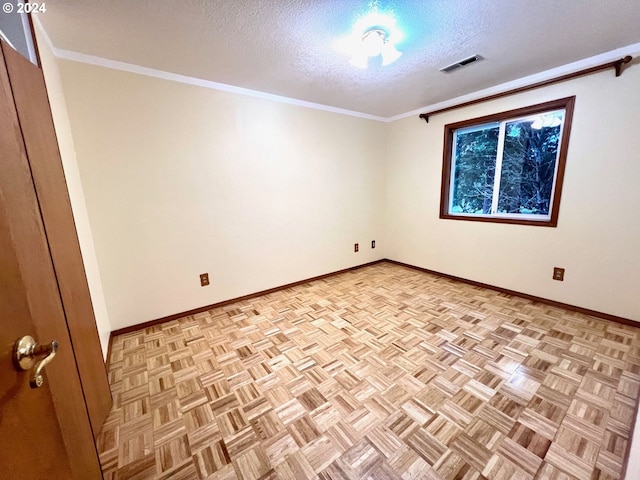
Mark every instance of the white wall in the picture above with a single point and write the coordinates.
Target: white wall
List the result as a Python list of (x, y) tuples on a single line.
[(633, 462), (181, 180), (74, 185), (598, 235)]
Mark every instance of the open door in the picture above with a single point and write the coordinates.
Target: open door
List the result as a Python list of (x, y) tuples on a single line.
[(45, 432), (38, 133)]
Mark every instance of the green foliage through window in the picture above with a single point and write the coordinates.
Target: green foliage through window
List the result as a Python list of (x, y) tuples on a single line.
[(506, 166)]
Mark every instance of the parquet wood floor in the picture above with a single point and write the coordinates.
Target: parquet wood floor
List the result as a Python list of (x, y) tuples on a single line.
[(380, 373)]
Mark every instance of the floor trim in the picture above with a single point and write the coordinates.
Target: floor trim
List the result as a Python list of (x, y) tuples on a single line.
[(107, 362), (554, 303), (151, 323), (566, 306), (574, 308), (605, 316)]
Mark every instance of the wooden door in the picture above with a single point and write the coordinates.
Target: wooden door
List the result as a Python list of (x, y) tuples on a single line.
[(44, 432), (38, 133)]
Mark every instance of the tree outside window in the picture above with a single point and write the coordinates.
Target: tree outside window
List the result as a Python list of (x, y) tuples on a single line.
[(507, 167)]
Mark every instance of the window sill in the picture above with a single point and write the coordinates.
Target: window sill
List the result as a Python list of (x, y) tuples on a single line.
[(514, 221)]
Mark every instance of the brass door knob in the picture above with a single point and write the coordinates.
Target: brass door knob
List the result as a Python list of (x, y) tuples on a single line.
[(26, 353)]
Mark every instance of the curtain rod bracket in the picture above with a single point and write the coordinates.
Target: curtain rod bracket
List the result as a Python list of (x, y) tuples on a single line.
[(424, 116), (620, 63)]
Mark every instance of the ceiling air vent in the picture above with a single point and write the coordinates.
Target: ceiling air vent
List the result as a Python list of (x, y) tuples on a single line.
[(461, 63)]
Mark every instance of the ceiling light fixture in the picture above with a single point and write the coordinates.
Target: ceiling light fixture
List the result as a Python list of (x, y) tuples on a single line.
[(373, 35), (375, 41)]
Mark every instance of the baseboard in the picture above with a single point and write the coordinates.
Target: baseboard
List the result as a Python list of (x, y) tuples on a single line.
[(151, 323), (107, 362), (566, 306), (554, 303)]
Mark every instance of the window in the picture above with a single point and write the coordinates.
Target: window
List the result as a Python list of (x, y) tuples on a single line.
[(507, 167)]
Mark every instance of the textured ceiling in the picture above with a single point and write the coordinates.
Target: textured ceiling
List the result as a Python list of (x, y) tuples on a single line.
[(287, 47)]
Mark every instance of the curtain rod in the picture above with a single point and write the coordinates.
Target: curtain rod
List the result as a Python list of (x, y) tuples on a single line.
[(617, 64)]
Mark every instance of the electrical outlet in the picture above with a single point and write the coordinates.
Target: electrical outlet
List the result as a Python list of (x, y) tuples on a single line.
[(373, 244), (558, 274), (356, 247), (204, 279)]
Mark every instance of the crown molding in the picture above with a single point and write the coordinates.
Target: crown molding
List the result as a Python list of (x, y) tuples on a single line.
[(175, 77), (633, 50)]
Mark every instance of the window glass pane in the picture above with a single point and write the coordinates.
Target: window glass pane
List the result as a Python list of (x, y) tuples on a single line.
[(529, 164), (507, 167), (474, 169)]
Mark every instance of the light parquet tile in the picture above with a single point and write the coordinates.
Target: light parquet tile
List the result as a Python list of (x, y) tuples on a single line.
[(379, 373)]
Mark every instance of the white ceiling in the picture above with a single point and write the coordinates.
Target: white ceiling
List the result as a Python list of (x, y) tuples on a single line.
[(286, 47)]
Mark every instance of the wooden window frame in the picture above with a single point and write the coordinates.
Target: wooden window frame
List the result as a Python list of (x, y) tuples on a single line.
[(566, 104)]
